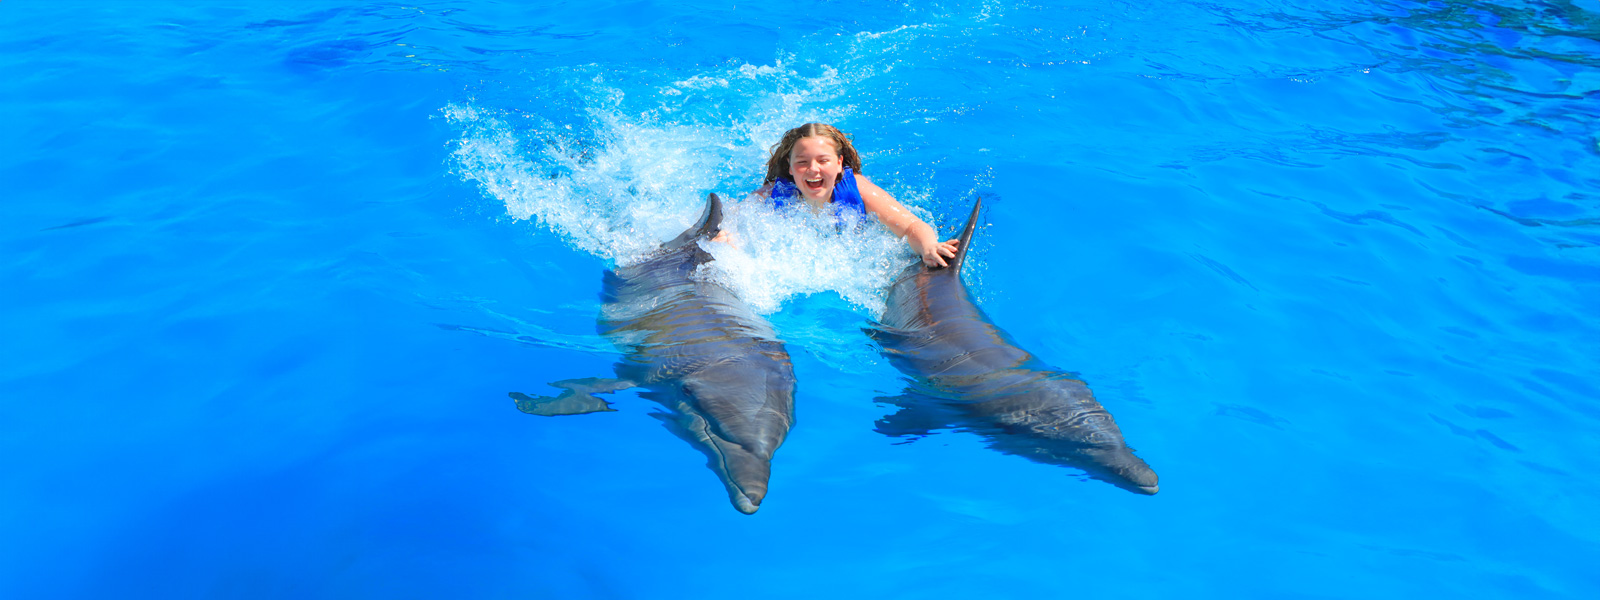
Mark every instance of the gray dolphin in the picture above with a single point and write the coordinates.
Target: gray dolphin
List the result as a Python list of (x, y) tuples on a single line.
[(718, 367), (969, 375)]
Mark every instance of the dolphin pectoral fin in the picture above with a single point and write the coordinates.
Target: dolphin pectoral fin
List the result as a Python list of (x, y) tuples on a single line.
[(906, 423), (568, 403), (919, 417), (595, 385), (578, 399), (889, 337)]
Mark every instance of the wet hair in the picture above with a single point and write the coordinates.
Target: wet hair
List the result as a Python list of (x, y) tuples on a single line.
[(778, 163)]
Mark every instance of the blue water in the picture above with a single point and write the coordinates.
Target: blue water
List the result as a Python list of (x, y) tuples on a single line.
[(267, 274)]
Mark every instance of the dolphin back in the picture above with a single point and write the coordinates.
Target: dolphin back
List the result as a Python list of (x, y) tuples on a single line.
[(970, 375)]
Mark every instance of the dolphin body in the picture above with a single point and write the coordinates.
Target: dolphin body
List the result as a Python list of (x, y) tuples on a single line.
[(718, 367), (969, 375)]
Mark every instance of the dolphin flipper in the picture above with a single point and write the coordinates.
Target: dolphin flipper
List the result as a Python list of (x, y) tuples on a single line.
[(578, 399), (919, 417), (889, 336)]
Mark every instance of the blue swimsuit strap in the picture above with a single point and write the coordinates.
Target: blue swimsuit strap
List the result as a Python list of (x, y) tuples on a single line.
[(846, 196)]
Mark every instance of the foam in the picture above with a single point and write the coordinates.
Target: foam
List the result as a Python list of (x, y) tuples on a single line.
[(778, 255), (635, 171)]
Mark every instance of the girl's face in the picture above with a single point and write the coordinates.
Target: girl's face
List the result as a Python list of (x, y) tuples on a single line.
[(814, 164)]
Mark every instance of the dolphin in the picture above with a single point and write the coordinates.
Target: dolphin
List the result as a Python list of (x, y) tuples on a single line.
[(967, 374), (719, 369)]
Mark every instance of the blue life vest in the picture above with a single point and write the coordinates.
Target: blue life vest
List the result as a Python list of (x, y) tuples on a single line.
[(846, 196)]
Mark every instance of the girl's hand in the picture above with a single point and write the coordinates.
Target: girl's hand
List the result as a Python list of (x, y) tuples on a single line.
[(934, 254)]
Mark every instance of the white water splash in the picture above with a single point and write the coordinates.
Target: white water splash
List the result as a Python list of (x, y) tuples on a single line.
[(615, 200), (636, 170), (777, 255)]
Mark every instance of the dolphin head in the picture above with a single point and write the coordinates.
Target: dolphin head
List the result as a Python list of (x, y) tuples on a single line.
[(1058, 421), (1117, 465), (1112, 463), (738, 411)]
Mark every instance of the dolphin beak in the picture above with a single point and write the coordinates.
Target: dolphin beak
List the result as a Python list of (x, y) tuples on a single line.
[(745, 504), (747, 486), (1138, 475), (747, 489)]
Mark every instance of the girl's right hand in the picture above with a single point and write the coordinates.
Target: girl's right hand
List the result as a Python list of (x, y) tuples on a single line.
[(935, 254)]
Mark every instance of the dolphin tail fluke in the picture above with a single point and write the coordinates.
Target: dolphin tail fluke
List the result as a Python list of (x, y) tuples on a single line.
[(964, 240), (578, 399), (709, 225)]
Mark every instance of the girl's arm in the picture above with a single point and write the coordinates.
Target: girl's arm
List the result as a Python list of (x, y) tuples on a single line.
[(923, 239)]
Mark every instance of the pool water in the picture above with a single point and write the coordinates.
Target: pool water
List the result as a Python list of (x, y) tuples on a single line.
[(268, 273)]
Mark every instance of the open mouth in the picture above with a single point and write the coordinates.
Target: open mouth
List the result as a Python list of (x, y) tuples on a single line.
[(814, 184)]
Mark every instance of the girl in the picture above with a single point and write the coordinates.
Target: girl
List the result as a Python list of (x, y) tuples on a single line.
[(815, 164)]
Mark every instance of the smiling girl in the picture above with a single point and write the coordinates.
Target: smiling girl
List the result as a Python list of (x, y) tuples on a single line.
[(815, 164)]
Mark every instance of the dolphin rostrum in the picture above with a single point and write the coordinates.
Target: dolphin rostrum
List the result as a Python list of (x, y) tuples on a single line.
[(969, 375), (695, 348)]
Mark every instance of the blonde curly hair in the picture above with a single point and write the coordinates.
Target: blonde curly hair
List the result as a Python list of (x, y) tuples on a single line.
[(778, 163)]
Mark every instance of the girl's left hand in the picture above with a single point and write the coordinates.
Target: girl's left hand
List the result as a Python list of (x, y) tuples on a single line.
[(934, 255)]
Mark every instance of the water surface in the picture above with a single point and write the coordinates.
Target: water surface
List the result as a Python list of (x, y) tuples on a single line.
[(269, 273)]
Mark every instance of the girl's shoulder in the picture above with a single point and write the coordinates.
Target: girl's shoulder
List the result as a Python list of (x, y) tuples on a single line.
[(870, 191)]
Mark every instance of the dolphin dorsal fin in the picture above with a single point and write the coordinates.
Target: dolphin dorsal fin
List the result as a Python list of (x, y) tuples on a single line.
[(709, 224), (964, 241)]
